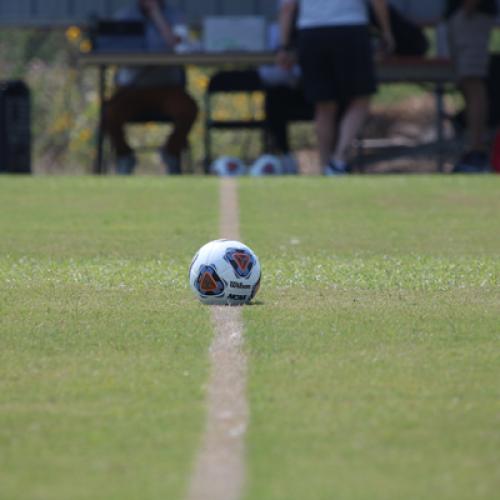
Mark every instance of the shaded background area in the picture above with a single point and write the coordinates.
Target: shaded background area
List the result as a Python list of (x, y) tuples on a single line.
[(40, 43), (37, 12)]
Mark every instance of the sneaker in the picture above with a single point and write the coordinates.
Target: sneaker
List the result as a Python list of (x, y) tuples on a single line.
[(172, 163), (125, 165), (473, 162), (335, 168)]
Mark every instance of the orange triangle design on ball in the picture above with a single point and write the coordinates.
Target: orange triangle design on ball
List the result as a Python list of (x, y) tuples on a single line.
[(207, 283), (242, 259)]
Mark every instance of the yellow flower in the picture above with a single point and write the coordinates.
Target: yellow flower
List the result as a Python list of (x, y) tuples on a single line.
[(61, 124), (201, 82), (73, 33), (85, 134), (85, 46)]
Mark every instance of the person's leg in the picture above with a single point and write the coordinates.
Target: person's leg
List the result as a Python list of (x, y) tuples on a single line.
[(122, 106), (324, 119), (476, 108), (355, 79), (285, 105), (277, 104), (350, 125), (469, 40), (319, 72), (183, 110)]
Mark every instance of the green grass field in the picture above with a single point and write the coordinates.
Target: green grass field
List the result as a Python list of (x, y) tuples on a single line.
[(373, 345)]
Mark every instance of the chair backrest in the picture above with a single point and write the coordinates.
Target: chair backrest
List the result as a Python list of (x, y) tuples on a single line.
[(118, 36)]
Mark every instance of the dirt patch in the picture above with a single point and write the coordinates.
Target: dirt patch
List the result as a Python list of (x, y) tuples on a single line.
[(411, 122)]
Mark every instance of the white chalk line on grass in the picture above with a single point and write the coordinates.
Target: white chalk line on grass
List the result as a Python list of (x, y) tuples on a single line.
[(219, 472)]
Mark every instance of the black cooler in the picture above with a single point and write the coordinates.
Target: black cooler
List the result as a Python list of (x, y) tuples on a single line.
[(15, 127)]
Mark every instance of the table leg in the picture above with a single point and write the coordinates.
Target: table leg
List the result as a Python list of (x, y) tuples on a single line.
[(207, 137), (99, 164), (360, 153), (440, 126)]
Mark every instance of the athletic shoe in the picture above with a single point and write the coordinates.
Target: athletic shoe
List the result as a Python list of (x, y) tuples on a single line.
[(172, 163), (473, 162), (336, 168), (125, 165)]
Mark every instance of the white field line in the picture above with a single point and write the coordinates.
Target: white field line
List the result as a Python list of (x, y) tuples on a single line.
[(219, 472)]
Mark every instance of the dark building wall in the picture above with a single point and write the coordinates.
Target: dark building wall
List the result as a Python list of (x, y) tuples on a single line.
[(53, 12)]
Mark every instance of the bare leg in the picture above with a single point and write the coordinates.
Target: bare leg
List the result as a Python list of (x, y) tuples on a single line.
[(325, 129), (351, 124), (476, 108)]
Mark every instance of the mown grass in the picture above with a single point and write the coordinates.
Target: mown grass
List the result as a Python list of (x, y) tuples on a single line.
[(373, 345), (103, 351), (374, 360)]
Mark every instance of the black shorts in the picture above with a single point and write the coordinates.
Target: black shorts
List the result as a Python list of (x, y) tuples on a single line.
[(337, 63)]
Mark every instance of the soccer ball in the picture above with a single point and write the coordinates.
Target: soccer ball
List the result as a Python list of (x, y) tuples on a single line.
[(266, 165), (227, 166), (225, 272)]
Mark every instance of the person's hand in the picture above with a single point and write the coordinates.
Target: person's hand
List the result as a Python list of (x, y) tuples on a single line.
[(151, 7), (153, 10), (470, 7), (388, 42), (285, 58)]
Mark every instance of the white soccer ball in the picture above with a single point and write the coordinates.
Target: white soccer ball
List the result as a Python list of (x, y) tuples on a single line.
[(228, 166), (225, 272), (266, 165)]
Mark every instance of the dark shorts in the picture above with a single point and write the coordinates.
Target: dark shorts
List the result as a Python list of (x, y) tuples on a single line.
[(337, 63)]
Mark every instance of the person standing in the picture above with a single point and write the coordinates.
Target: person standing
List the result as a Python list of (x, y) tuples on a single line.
[(336, 58), (151, 89), (470, 23)]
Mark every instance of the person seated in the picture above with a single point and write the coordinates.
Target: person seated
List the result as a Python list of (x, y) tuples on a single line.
[(285, 102), (151, 89)]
